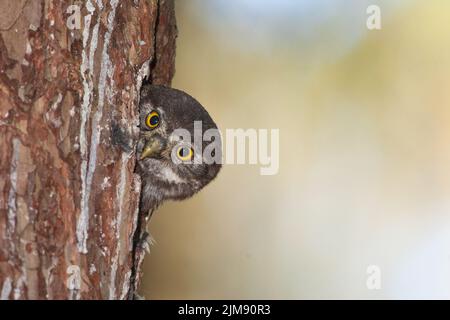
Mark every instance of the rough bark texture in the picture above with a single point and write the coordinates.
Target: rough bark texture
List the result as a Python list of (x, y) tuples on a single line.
[(68, 126)]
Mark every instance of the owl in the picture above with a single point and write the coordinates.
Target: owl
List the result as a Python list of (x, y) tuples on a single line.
[(172, 163), (170, 167)]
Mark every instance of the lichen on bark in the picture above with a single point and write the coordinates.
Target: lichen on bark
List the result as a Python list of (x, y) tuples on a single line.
[(68, 191)]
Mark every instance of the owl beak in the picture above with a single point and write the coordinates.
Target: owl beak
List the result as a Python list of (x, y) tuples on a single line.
[(152, 148)]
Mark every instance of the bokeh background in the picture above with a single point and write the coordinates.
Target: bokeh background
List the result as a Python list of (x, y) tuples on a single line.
[(364, 179)]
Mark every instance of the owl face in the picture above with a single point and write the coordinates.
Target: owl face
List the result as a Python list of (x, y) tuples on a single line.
[(170, 166)]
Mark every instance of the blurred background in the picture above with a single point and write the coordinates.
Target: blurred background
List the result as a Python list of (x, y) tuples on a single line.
[(364, 178)]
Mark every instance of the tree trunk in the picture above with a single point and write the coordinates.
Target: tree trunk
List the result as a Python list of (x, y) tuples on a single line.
[(70, 75)]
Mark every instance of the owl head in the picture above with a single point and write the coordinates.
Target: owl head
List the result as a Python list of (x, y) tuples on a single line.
[(173, 163)]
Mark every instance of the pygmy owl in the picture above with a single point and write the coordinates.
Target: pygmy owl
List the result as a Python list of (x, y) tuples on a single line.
[(170, 167)]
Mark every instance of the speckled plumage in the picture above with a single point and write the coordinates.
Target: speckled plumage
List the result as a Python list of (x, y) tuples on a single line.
[(162, 179)]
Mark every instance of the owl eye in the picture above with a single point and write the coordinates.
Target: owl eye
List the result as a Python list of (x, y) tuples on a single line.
[(152, 120), (185, 153)]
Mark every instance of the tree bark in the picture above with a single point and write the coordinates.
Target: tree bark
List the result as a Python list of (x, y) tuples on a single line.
[(69, 93)]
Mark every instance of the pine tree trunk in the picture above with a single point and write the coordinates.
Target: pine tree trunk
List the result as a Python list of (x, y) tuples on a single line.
[(70, 74)]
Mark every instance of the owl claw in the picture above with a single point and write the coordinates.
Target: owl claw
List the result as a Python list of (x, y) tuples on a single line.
[(138, 297), (146, 241)]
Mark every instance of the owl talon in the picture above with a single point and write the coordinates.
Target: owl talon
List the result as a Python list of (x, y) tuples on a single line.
[(146, 241), (138, 297)]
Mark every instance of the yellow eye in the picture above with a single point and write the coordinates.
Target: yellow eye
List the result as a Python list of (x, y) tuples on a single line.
[(185, 153), (152, 120)]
